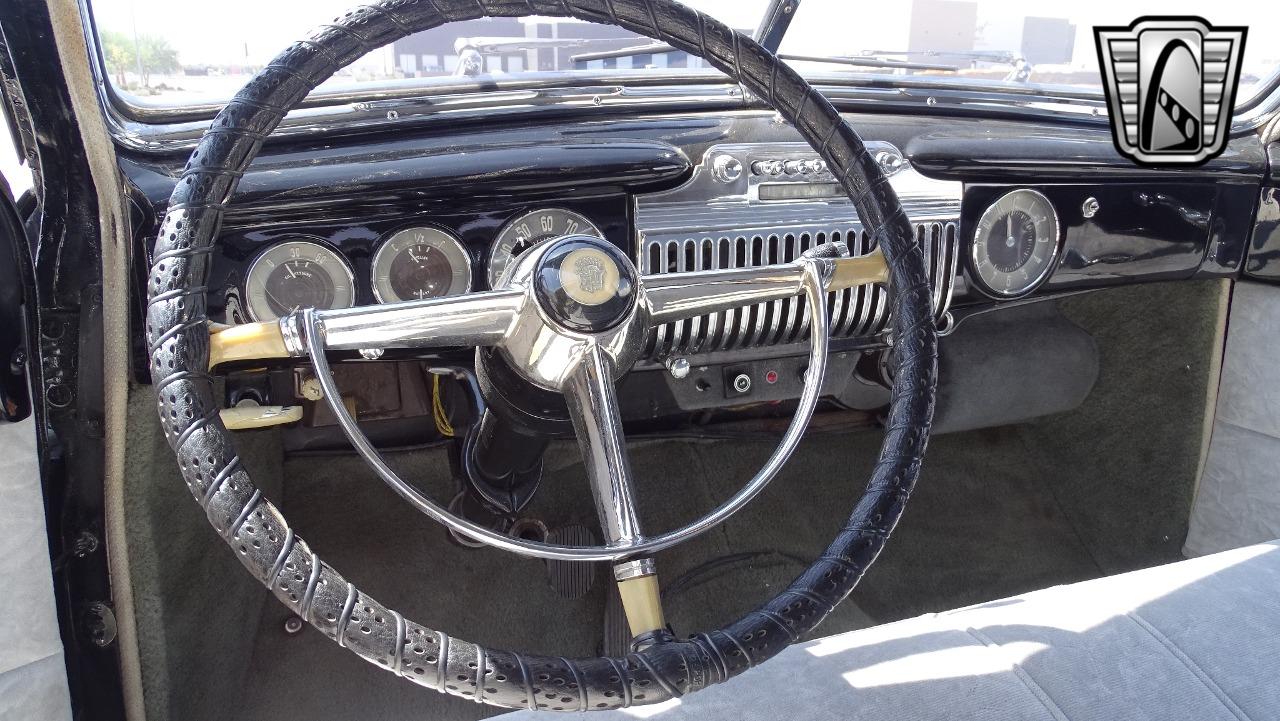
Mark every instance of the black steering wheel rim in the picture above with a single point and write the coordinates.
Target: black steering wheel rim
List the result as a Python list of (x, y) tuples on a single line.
[(178, 340)]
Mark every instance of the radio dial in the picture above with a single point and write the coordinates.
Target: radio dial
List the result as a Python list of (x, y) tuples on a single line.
[(726, 168), (767, 167)]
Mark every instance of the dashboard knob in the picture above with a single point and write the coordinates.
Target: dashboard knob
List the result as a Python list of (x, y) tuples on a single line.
[(726, 168), (678, 367), (1090, 207), (792, 167), (767, 167), (890, 162)]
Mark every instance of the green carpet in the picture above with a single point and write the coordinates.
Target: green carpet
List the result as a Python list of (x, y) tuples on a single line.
[(1001, 511)]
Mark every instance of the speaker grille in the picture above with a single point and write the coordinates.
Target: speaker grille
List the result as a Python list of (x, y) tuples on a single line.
[(854, 312)]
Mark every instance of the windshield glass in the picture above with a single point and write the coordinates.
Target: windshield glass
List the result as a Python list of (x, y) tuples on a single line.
[(1042, 43), (177, 53)]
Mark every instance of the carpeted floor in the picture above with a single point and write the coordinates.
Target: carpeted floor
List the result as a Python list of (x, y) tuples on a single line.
[(1098, 490)]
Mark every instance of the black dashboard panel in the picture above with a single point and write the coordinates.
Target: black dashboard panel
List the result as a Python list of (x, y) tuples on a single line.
[(357, 235), (1137, 231), (479, 165), (1264, 246), (1002, 151), (353, 192)]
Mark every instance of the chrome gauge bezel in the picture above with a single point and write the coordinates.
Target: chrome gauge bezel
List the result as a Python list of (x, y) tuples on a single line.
[(437, 237), (494, 273), (334, 260), (1003, 205)]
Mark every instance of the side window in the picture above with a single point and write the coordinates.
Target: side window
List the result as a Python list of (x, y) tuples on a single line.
[(14, 171)]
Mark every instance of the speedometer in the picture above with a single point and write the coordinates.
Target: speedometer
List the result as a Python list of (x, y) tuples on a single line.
[(1015, 244), (297, 274), (529, 229)]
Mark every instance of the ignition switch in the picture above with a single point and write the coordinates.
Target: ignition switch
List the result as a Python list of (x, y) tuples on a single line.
[(737, 382)]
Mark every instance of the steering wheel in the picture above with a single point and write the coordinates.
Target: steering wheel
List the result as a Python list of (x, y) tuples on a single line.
[(570, 317)]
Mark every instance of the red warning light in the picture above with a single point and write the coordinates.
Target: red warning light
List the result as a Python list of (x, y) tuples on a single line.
[(771, 377)]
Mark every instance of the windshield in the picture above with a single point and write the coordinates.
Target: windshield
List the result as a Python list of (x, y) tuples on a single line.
[(177, 53)]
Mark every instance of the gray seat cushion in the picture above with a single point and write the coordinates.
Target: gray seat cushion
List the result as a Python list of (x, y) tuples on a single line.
[(1196, 640)]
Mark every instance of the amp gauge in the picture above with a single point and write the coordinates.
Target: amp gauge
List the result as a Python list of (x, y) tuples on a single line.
[(1015, 244), (297, 274)]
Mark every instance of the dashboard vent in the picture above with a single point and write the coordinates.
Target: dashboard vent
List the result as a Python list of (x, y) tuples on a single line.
[(854, 312)]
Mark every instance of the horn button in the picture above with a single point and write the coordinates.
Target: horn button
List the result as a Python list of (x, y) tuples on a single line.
[(585, 284), (584, 293)]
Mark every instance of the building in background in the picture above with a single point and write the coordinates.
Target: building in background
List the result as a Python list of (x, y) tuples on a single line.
[(512, 45)]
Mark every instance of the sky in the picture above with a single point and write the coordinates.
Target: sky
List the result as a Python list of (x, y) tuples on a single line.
[(220, 30)]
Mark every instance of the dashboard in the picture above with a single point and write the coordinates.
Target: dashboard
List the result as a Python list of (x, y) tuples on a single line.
[(267, 273), (1006, 214)]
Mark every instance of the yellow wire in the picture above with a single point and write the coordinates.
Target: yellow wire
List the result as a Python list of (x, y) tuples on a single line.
[(437, 409)]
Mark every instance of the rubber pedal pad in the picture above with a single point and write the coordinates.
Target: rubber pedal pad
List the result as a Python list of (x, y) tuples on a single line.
[(572, 579)]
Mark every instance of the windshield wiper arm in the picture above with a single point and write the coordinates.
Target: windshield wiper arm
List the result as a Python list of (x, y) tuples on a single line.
[(649, 49), (1020, 70), (862, 62)]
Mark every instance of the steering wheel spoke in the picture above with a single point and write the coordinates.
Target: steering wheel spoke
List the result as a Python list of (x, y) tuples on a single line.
[(677, 296), (593, 407), (476, 319)]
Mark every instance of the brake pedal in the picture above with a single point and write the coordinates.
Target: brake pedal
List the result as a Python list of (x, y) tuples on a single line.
[(571, 579)]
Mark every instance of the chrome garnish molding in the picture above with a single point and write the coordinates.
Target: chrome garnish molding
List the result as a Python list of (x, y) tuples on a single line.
[(766, 215)]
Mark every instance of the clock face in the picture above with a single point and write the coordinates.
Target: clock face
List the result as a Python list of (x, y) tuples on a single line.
[(1015, 245)]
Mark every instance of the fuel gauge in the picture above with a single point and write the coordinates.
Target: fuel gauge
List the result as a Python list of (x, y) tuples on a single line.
[(419, 263)]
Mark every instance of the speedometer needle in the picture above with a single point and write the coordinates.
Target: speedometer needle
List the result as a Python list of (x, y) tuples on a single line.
[(1008, 230)]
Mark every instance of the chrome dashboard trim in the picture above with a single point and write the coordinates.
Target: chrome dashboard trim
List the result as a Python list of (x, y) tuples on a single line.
[(608, 96), (717, 224)]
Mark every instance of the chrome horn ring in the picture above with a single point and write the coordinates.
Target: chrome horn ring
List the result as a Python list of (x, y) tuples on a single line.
[(677, 297)]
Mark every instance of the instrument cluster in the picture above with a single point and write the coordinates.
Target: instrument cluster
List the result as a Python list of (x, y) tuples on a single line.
[(409, 261)]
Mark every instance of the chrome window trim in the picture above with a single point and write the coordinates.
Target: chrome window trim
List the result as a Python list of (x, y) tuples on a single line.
[(609, 94)]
